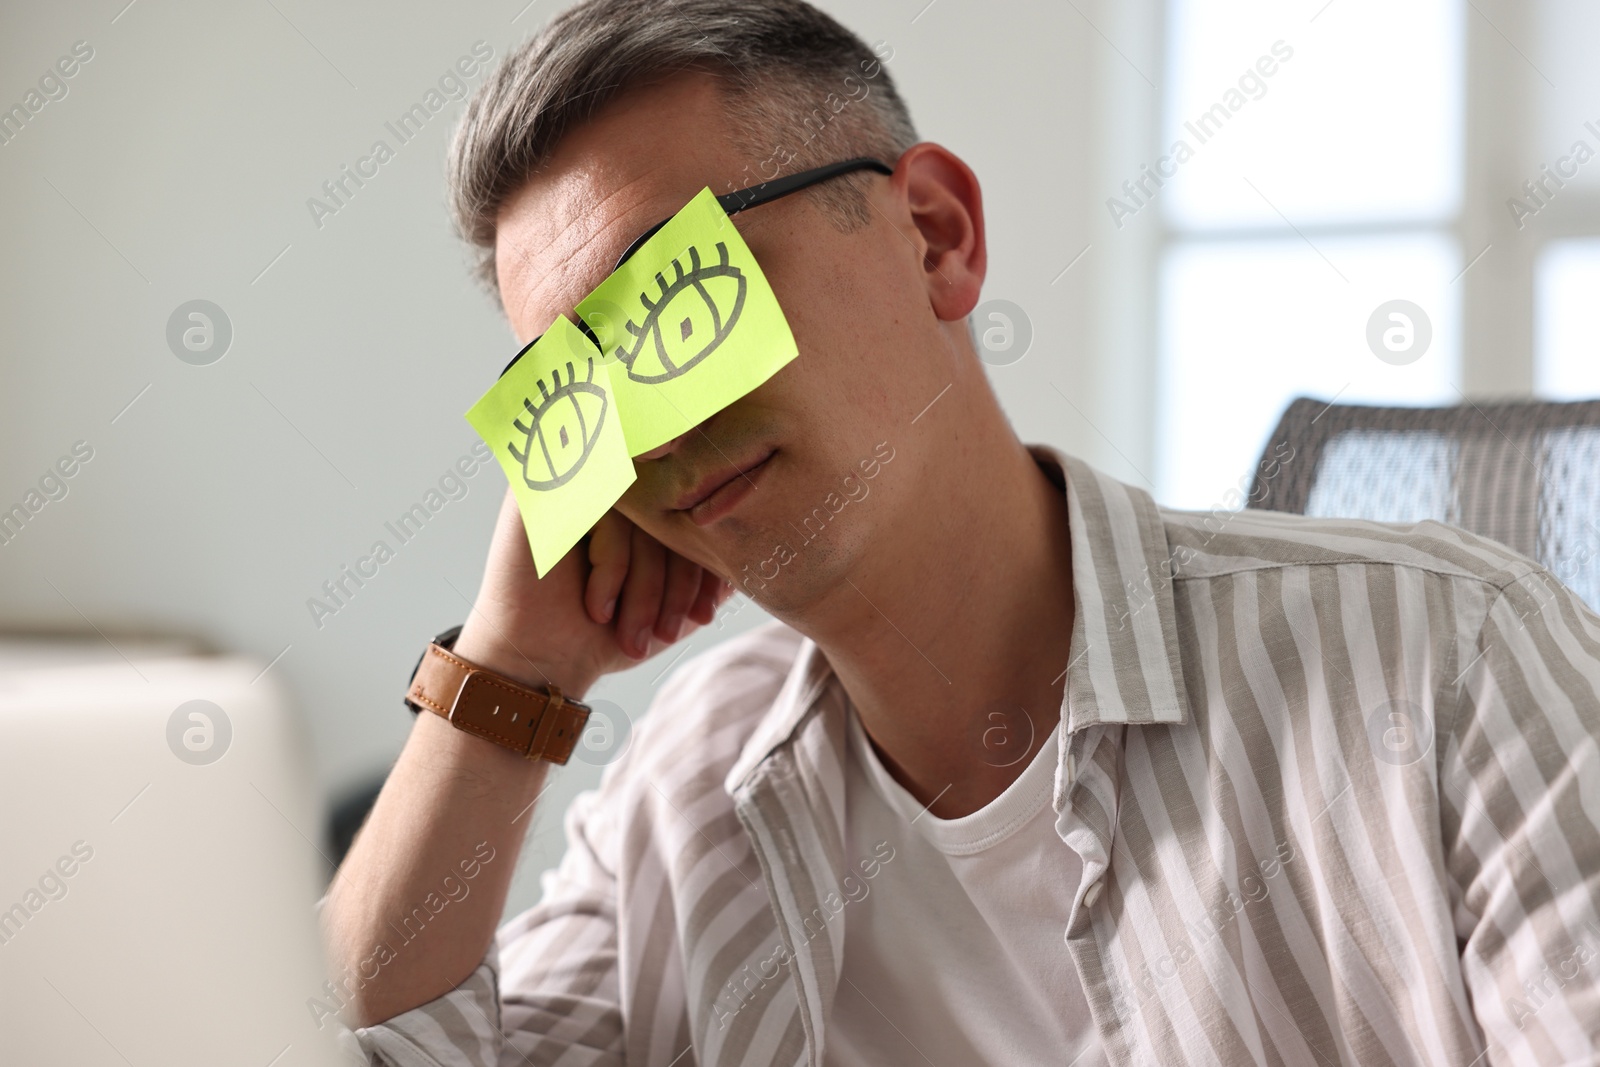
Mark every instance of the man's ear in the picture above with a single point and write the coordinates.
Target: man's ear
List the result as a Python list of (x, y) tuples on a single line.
[(946, 207)]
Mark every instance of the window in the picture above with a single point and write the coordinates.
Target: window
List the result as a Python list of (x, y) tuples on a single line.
[(1316, 175), (1567, 320), (1561, 214)]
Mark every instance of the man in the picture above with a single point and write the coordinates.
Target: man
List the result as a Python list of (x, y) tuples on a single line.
[(1030, 770)]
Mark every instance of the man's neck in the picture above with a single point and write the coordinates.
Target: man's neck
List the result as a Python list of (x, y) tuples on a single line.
[(952, 643)]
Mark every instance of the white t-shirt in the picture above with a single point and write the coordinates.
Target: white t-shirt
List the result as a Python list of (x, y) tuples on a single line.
[(956, 955)]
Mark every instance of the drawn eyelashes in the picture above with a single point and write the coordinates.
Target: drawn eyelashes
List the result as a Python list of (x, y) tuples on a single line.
[(562, 429), (669, 341)]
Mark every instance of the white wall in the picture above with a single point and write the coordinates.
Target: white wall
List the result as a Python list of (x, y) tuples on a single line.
[(179, 166)]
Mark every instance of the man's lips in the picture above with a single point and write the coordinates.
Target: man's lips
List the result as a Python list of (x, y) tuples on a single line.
[(714, 484)]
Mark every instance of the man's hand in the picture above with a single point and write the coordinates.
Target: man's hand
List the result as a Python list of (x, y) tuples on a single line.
[(602, 608), (615, 599)]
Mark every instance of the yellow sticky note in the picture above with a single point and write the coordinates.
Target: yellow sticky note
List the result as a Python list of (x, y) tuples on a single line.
[(688, 325), (554, 424)]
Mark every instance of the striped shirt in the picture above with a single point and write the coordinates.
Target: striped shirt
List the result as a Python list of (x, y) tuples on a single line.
[(1335, 786)]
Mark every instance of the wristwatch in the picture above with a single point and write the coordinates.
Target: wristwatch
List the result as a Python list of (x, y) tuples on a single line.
[(534, 723)]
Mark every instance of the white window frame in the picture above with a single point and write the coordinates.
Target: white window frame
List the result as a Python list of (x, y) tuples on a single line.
[(1500, 150)]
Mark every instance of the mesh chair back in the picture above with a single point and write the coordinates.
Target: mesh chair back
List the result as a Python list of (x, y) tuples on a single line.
[(1524, 474)]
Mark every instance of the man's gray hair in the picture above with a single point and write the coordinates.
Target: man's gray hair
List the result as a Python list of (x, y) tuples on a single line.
[(800, 90)]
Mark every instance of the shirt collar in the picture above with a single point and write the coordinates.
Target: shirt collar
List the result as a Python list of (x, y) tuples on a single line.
[(1123, 664), (809, 677)]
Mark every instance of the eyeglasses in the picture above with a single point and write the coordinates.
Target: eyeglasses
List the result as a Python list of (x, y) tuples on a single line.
[(740, 200)]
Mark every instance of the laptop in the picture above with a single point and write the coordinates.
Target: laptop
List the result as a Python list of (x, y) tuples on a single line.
[(159, 864)]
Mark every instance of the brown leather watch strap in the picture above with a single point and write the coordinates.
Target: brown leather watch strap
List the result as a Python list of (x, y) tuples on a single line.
[(535, 724)]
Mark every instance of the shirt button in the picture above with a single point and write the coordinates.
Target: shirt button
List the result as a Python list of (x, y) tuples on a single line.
[(1092, 895)]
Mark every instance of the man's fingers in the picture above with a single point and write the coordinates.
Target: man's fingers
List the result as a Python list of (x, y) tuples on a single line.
[(682, 586), (640, 602), (650, 592), (711, 593), (610, 546)]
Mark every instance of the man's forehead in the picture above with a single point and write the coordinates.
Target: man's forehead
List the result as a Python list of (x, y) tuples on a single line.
[(556, 241), (635, 163)]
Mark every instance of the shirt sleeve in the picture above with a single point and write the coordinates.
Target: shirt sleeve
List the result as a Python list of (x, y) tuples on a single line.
[(547, 990), (1520, 784), (560, 992), (460, 1029)]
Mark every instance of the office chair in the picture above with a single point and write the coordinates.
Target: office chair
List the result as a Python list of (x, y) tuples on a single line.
[(1524, 474)]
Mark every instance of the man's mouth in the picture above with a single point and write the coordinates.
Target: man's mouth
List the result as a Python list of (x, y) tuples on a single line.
[(722, 490)]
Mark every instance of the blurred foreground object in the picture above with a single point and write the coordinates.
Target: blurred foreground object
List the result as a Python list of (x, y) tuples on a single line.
[(161, 860)]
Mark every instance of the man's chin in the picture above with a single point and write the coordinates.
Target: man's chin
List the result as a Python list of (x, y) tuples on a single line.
[(783, 570)]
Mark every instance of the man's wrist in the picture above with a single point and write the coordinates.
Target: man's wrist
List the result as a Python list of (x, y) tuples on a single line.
[(482, 647)]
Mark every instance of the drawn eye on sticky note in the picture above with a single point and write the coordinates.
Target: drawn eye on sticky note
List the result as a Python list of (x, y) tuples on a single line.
[(560, 431), (553, 423), (689, 318), (692, 320)]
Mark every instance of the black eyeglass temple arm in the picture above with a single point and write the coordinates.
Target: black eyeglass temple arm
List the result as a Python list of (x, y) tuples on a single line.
[(768, 191)]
